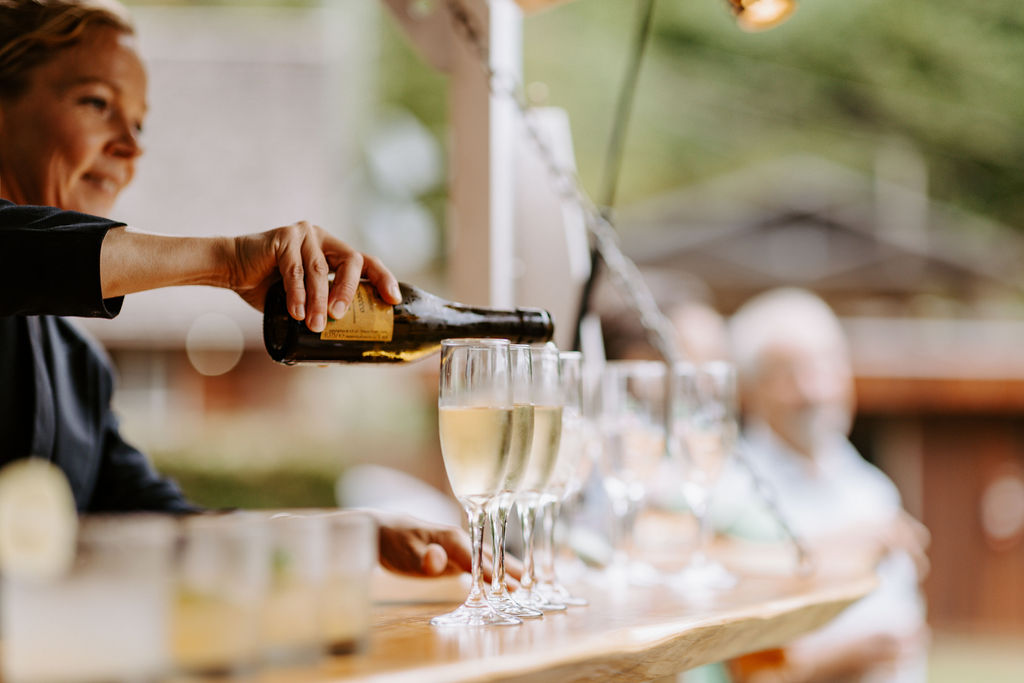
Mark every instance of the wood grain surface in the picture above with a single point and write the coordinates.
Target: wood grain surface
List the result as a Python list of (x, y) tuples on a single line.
[(629, 634)]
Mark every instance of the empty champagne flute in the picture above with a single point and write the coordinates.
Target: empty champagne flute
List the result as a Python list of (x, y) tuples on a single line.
[(563, 480), (521, 367), (633, 404), (475, 428), (546, 396), (704, 433)]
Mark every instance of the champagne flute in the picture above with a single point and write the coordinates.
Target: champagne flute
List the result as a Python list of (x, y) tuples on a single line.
[(475, 428), (546, 397), (563, 480), (521, 366), (633, 403), (705, 429)]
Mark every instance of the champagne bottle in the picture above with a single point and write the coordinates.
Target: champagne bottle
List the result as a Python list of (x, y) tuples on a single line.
[(372, 331)]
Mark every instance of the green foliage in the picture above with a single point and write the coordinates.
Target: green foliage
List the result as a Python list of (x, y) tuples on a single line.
[(840, 79), (282, 487)]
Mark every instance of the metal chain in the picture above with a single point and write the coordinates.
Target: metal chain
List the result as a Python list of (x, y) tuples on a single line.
[(625, 275), (624, 272)]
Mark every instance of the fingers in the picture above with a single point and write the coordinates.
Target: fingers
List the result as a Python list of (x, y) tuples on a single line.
[(346, 280), (316, 271), (289, 263), (344, 260), (456, 544), (414, 547), (434, 560), (306, 255), (404, 551), (382, 280), (303, 271)]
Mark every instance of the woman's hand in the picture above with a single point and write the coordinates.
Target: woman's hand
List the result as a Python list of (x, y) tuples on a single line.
[(302, 255), (414, 547)]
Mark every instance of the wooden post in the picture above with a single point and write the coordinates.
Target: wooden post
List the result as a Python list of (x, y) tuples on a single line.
[(483, 131)]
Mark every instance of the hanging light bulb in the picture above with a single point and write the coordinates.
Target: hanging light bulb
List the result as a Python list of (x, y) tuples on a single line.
[(758, 15)]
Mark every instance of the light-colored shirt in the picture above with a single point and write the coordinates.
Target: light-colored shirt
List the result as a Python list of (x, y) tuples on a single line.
[(835, 493)]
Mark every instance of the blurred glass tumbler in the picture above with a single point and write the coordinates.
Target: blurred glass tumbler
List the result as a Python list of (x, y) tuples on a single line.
[(221, 579), (106, 619), (292, 623), (351, 558)]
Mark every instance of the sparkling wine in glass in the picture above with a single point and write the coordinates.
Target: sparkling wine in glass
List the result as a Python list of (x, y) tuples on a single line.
[(546, 395), (704, 433), (475, 427), (521, 366), (564, 477)]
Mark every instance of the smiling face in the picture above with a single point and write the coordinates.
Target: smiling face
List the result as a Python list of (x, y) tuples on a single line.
[(71, 139)]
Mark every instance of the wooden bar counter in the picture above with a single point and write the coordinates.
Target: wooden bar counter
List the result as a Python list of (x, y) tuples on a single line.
[(630, 634)]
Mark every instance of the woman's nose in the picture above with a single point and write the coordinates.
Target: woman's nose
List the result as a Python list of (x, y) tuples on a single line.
[(126, 142)]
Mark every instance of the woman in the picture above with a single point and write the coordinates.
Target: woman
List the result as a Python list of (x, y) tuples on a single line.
[(72, 107)]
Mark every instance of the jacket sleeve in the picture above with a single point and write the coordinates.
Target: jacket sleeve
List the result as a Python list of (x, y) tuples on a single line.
[(50, 262), (126, 481)]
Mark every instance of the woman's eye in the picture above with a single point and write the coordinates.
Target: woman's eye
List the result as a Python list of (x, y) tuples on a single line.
[(97, 103)]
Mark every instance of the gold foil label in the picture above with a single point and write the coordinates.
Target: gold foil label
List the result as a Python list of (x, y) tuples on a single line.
[(367, 319)]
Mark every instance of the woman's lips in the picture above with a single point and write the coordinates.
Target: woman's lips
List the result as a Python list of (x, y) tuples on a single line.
[(104, 183)]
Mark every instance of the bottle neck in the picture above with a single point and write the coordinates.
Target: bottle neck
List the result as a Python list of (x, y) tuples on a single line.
[(517, 325)]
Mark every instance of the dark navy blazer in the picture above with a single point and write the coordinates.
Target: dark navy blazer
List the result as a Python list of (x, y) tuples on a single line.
[(55, 382)]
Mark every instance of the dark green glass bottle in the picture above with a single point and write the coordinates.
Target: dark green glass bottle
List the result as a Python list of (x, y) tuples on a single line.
[(375, 332)]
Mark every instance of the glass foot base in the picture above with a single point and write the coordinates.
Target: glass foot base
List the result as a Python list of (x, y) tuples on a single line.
[(703, 577), (468, 615), (537, 601), (560, 593), (632, 573), (506, 605)]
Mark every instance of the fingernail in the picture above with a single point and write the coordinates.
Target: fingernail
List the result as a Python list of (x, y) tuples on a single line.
[(338, 310), (318, 323), (395, 292), (299, 312)]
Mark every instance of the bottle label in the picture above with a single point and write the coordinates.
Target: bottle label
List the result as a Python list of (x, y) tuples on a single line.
[(367, 319)]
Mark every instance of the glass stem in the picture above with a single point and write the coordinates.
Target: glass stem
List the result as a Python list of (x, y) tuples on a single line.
[(550, 517), (629, 529), (528, 515), (499, 521), (620, 511), (477, 518), (704, 532)]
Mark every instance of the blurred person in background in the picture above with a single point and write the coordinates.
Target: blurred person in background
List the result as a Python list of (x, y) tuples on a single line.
[(72, 107), (684, 299), (796, 386)]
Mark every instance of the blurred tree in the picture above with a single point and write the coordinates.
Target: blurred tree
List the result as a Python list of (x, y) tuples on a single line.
[(840, 80)]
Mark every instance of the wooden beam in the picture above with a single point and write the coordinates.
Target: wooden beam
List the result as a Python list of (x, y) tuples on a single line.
[(939, 395)]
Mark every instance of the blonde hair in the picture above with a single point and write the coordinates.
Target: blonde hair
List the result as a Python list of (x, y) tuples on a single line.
[(32, 31)]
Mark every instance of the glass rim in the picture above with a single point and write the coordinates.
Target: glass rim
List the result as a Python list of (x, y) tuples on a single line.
[(711, 367), (482, 342), (648, 367), (547, 349)]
